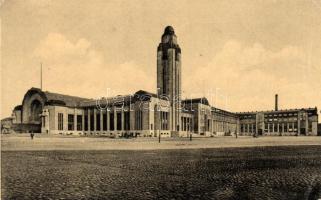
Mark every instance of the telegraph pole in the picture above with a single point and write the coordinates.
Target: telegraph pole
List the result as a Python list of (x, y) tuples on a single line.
[(159, 128)]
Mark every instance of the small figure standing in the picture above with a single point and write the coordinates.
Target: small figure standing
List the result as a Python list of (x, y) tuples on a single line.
[(31, 135)]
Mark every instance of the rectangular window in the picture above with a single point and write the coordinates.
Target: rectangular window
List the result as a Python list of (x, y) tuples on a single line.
[(105, 122), (285, 128), (111, 121), (266, 127), (310, 126), (119, 120), (290, 127), (164, 121), (92, 121), (98, 122), (60, 121), (86, 122), (70, 122), (295, 127), (79, 122), (139, 120), (127, 121)]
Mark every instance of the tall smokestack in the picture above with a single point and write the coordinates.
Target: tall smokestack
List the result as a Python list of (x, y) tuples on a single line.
[(276, 102)]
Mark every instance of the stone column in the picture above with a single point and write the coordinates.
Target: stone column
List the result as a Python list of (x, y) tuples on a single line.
[(115, 119), (182, 124), (101, 120), (187, 124), (89, 112), (83, 121), (65, 119), (123, 120), (75, 120), (108, 119), (306, 124), (298, 124), (95, 119)]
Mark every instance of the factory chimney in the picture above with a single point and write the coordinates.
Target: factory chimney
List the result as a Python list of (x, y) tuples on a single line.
[(276, 102)]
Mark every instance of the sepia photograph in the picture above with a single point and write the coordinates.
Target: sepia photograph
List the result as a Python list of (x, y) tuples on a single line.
[(163, 99)]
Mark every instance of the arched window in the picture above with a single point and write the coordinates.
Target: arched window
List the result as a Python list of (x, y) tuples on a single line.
[(36, 109)]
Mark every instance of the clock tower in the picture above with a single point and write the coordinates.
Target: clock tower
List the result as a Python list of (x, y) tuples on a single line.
[(169, 75)]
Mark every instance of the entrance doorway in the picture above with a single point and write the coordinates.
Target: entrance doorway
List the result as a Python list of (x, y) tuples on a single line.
[(302, 131)]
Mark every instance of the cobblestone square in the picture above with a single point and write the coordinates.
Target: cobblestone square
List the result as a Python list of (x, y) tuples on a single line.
[(284, 172)]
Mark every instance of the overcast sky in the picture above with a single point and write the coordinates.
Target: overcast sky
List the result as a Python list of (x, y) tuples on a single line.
[(237, 53)]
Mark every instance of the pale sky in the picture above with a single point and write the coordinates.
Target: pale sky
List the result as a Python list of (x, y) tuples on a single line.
[(243, 52)]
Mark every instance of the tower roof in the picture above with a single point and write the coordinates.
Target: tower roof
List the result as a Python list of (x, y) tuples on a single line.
[(169, 30)]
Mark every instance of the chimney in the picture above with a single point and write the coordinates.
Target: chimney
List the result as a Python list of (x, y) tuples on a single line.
[(276, 102)]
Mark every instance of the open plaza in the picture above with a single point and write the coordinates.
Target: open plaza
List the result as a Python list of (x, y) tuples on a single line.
[(73, 167)]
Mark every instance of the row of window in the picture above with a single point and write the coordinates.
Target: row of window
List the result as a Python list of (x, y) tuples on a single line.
[(186, 124), (281, 115), (266, 116), (248, 128), (164, 120), (275, 127), (218, 126), (99, 126), (281, 127), (282, 119)]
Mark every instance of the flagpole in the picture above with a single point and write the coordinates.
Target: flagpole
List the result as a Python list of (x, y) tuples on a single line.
[(41, 75)]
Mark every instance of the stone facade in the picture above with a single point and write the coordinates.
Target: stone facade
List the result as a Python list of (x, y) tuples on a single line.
[(280, 122), (152, 115)]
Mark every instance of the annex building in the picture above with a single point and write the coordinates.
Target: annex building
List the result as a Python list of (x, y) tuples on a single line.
[(162, 113)]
